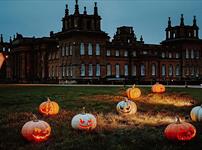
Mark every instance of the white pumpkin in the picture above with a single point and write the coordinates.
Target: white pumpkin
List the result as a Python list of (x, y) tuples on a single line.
[(126, 107), (196, 113), (84, 122)]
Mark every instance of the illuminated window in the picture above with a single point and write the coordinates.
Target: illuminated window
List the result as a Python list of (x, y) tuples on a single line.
[(170, 70), (67, 70), (142, 70), (67, 50), (109, 72), (82, 49), (163, 54), (163, 70), (187, 53), (83, 70), (97, 70), (177, 70), (97, 49), (192, 54), (134, 70), (63, 71), (126, 53), (169, 55), (117, 53), (90, 70), (126, 70), (177, 55), (134, 53), (117, 70), (90, 49), (108, 52), (153, 69)]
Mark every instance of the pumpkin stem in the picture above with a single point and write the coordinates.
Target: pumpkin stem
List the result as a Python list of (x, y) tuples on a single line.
[(48, 99), (133, 86), (83, 110), (35, 119), (125, 99), (178, 119)]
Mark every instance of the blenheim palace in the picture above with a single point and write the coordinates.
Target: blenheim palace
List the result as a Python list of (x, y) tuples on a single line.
[(82, 53)]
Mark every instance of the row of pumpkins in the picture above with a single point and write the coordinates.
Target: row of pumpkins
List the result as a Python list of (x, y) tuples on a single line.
[(39, 130)]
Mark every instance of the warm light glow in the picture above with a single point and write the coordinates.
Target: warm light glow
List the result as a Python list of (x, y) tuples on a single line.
[(2, 58)]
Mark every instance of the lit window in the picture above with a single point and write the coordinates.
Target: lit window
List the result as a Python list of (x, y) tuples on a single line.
[(177, 70), (134, 72), (197, 71), (187, 53), (173, 35), (192, 71), (90, 49), (192, 54), (134, 53), (177, 55), (108, 52), (163, 70), (97, 70), (145, 52), (71, 71), (142, 70), (195, 33), (63, 71), (153, 69), (197, 54), (126, 70), (163, 54), (117, 53), (169, 55), (126, 53), (109, 73), (170, 70), (67, 50), (117, 70), (90, 70), (97, 49), (83, 70), (67, 70), (82, 50)]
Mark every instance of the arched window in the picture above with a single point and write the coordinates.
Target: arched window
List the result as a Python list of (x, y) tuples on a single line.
[(90, 70), (192, 54), (163, 54), (117, 70), (82, 49), (170, 70), (109, 70), (134, 70), (67, 50), (126, 70), (125, 53), (63, 71), (97, 49), (67, 70), (142, 70), (187, 53), (163, 70), (90, 49), (153, 69), (83, 70), (97, 70), (177, 70)]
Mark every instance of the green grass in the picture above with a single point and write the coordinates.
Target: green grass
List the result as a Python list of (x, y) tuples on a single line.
[(18, 103)]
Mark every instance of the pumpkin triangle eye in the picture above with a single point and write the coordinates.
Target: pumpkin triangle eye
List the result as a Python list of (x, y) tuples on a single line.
[(128, 108), (121, 107), (90, 121), (82, 121)]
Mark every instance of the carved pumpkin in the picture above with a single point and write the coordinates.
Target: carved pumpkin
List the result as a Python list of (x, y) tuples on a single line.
[(2, 58), (158, 88), (133, 92), (49, 107), (84, 121), (126, 107), (36, 130), (196, 113), (180, 131)]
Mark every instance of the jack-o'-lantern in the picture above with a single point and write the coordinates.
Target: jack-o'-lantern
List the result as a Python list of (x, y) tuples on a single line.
[(49, 108), (126, 107), (196, 113), (180, 131), (2, 58), (158, 88), (84, 121), (36, 130), (133, 92)]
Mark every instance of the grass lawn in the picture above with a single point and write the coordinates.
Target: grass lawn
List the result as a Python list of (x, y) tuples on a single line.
[(144, 130)]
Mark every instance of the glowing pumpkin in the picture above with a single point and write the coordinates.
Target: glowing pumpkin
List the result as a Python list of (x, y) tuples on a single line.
[(196, 113), (126, 107), (180, 131), (158, 88), (49, 107), (2, 58), (36, 130), (133, 92), (84, 121)]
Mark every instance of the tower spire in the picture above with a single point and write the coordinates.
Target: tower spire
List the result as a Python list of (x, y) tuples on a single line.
[(66, 10), (194, 21), (76, 8), (169, 22), (95, 9), (182, 20), (85, 12)]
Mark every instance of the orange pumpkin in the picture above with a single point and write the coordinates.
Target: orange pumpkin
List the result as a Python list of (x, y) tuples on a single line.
[(36, 130), (158, 88), (180, 131), (133, 92), (49, 107), (2, 58)]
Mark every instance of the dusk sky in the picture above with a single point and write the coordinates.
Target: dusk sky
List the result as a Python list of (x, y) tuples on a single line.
[(147, 17)]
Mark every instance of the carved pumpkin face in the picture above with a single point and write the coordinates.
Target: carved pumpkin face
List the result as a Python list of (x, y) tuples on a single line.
[(36, 130), (133, 92), (158, 88), (84, 122), (126, 107), (2, 58), (180, 131), (196, 113), (49, 108)]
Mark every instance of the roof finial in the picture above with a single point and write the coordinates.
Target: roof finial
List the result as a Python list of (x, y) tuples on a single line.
[(194, 21), (66, 10), (76, 8), (85, 12), (169, 22), (95, 9), (141, 38), (182, 20)]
